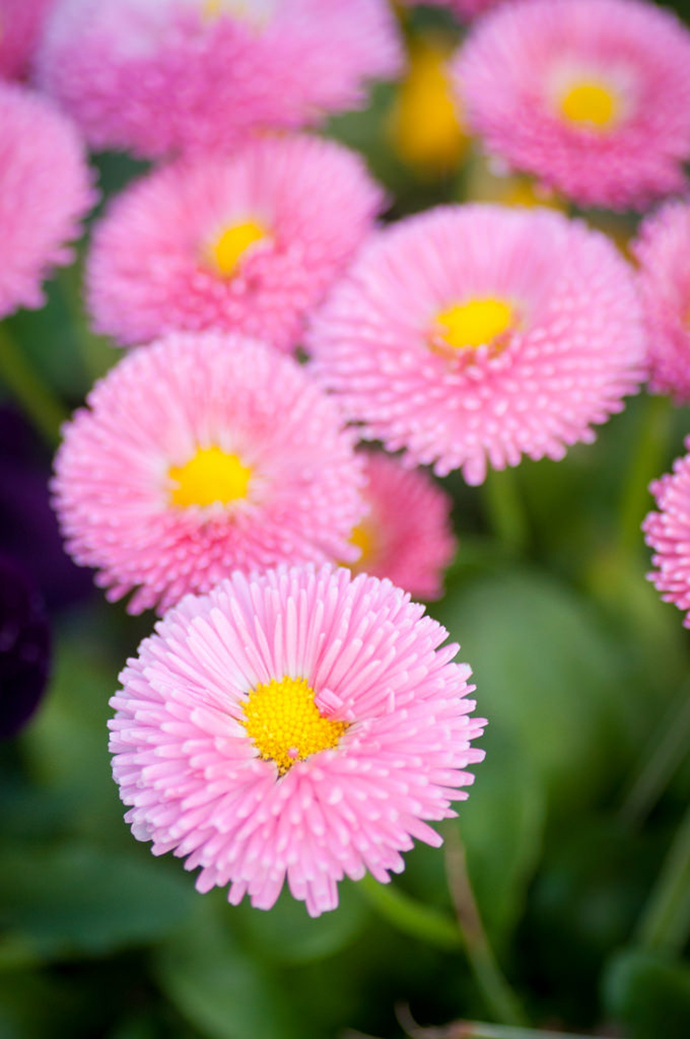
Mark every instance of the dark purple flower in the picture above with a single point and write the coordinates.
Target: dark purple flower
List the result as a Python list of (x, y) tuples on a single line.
[(28, 529), (24, 647)]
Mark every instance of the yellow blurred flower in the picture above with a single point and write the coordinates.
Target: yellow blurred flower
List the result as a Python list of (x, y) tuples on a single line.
[(424, 127)]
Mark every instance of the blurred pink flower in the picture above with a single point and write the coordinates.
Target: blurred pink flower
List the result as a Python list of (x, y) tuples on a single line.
[(472, 335), (662, 249), (406, 535), (297, 724), (199, 455), (21, 22), (246, 243), (170, 75), (592, 96), (45, 190), (668, 533)]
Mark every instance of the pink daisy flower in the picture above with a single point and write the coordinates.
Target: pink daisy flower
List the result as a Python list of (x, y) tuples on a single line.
[(156, 76), (21, 22), (299, 725), (45, 190), (247, 243), (662, 250), (472, 335), (198, 455), (406, 535), (668, 533), (592, 96)]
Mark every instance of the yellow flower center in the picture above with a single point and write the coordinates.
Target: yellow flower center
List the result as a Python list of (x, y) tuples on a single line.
[(475, 323), (589, 103), (253, 11), (285, 725), (362, 537), (210, 476), (232, 246)]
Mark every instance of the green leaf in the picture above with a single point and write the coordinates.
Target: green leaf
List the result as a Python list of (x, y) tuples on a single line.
[(207, 974), (67, 745), (547, 678), (501, 826), (287, 934), (76, 900), (649, 995)]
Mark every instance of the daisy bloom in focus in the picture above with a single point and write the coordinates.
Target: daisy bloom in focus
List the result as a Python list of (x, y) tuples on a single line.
[(472, 335), (424, 125), (246, 243), (296, 725), (406, 535), (592, 96), (45, 190), (172, 75), (199, 455), (21, 22), (667, 532), (662, 250)]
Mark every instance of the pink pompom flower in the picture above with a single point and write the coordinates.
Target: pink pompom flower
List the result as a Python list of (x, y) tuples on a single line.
[(472, 335), (668, 533), (199, 455), (246, 243), (173, 75), (45, 190), (406, 535), (295, 725), (592, 96), (21, 22), (662, 250)]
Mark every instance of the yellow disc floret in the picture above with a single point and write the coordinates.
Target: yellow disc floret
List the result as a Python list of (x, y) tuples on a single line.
[(475, 323), (210, 476), (285, 724), (363, 538), (591, 104), (232, 246)]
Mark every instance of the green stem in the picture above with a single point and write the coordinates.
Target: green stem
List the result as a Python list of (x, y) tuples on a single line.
[(411, 917), (666, 752), (475, 1030), (479, 1030), (505, 509), (36, 399), (647, 461), (665, 923), (498, 995)]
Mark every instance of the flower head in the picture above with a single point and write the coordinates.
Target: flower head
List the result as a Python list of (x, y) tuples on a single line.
[(45, 190), (199, 455), (471, 335), (593, 96), (21, 22), (296, 725), (406, 536), (425, 127), (24, 647), (668, 533), (662, 250), (176, 75), (247, 243)]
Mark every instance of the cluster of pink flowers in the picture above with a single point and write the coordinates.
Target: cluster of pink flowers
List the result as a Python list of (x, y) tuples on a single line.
[(292, 719)]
